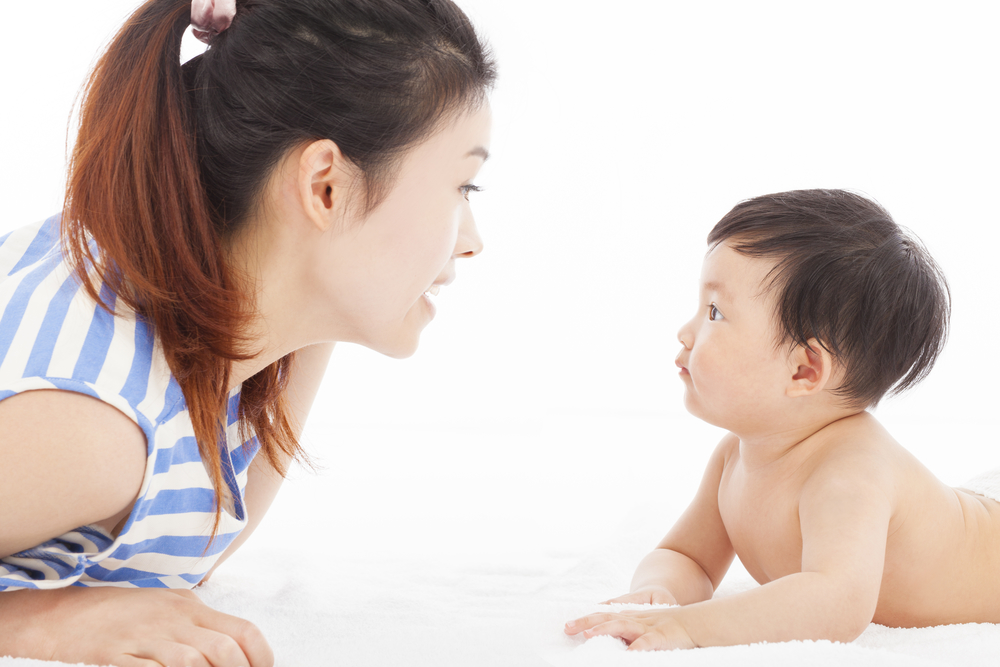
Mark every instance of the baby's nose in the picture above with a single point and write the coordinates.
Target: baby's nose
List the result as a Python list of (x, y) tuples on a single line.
[(685, 337)]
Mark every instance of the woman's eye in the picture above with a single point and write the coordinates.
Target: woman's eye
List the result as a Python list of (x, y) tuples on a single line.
[(466, 189), (714, 313)]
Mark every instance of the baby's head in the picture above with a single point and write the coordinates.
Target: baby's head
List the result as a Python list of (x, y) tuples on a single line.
[(821, 286)]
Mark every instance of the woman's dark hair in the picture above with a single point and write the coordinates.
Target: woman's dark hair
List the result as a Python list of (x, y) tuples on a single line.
[(170, 161), (847, 275)]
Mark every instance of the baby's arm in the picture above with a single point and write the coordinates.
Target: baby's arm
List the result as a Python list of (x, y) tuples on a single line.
[(844, 513), (691, 560)]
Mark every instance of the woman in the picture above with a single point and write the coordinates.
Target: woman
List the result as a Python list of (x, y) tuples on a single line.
[(305, 181)]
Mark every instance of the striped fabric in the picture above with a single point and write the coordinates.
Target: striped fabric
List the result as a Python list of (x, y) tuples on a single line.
[(53, 336)]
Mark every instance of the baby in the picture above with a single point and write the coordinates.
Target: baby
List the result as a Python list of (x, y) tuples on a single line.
[(813, 306)]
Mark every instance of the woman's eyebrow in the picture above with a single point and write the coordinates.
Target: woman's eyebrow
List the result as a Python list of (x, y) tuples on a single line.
[(479, 151)]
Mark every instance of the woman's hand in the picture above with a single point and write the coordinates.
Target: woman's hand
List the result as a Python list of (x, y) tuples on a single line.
[(127, 628), (641, 630), (646, 595)]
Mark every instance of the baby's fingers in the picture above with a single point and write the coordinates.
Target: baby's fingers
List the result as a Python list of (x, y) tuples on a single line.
[(666, 635), (587, 622), (623, 628), (646, 595), (633, 598), (651, 641)]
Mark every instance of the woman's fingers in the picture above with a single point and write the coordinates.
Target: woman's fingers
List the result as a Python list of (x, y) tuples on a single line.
[(220, 650), (142, 627), (212, 639), (133, 661), (246, 642), (171, 654)]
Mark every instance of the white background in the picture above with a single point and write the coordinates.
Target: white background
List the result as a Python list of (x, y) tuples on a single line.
[(543, 407)]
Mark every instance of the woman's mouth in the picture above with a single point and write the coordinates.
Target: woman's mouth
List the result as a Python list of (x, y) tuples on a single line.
[(428, 299)]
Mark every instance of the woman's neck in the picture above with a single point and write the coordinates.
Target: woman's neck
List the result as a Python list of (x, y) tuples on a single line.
[(263, 262)]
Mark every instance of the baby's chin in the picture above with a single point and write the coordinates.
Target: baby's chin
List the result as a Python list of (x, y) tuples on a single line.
[(696, 409)]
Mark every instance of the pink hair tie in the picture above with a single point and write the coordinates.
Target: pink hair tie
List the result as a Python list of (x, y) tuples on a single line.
[(210, 17)]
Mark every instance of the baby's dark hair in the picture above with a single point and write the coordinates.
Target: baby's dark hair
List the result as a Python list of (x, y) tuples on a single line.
[(847, 275)]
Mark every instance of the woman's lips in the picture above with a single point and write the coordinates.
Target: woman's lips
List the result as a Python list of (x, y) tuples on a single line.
[(684, 370)]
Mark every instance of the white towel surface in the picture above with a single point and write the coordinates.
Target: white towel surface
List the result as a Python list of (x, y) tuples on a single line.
[(987, 484), (386, 557)]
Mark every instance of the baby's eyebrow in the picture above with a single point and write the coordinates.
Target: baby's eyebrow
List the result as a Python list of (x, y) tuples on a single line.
[(713, 286)]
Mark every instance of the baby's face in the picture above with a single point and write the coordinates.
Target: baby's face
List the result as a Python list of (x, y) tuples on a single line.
[(734, 373)]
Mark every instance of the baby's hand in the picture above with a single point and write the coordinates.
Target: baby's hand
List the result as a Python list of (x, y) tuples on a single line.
[(646, 595), (641, 630)]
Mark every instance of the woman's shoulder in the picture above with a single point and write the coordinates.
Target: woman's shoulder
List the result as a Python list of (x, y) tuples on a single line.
[(28, 245), (54, 335), (70, 460)]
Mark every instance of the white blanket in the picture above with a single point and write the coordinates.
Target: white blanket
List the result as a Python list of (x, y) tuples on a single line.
[(400, 613), (387, 557)]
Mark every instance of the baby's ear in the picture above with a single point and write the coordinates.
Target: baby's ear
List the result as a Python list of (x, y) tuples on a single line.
[(812, 368)]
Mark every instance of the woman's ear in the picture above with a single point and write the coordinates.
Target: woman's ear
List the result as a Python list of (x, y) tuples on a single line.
[(812, 368), (324, 179)]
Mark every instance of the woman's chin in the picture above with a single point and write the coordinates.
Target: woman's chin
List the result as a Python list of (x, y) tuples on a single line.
[(401, 339), (399, 348), (401, 354)]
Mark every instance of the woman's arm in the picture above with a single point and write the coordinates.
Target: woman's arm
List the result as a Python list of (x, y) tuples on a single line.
[(126, 627), (263, 481), (71, 460), (308, 370)]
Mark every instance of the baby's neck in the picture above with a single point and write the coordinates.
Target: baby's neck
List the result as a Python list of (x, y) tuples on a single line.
[(769, 447)]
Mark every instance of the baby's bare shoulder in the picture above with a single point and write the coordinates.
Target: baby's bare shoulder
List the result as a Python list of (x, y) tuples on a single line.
[(857, 453), (858, 436)]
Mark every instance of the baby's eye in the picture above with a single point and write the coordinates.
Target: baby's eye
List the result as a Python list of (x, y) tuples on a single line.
[(466, 189), (714, 313)]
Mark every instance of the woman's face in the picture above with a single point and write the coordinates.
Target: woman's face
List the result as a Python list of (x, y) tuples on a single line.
[(383, 270)]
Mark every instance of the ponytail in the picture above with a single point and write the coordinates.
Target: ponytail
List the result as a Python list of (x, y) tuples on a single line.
[(135, 188), (171, 160)]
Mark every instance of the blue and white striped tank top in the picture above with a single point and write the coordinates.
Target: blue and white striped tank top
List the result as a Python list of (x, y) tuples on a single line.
[(54, 336)]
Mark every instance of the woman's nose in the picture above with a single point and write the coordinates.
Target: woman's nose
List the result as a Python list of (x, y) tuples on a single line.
[(469, 243)]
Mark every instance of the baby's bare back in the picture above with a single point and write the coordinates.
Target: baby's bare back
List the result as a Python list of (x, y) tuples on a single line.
[(942, 549)]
